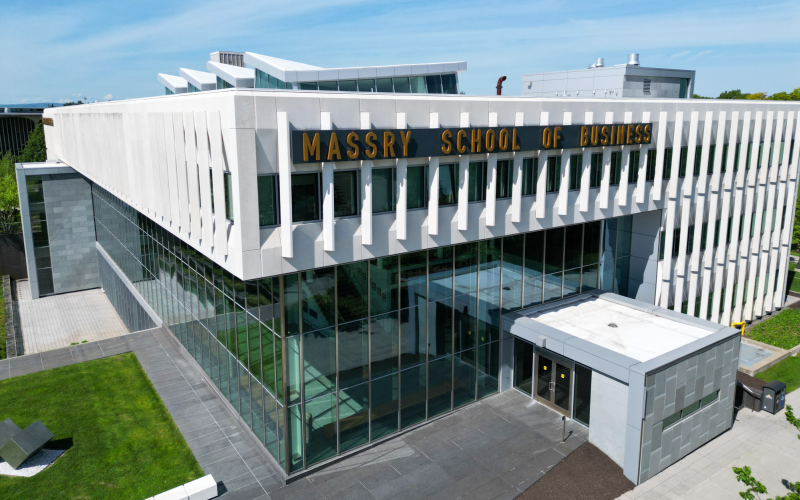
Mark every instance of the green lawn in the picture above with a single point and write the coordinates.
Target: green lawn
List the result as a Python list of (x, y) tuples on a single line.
[(781, 331), (787, 371), (123, 444)]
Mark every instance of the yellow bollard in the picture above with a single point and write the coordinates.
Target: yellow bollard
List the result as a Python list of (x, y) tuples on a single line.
[(739, 325)]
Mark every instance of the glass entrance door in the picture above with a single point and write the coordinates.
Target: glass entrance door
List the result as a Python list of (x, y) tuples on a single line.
[(523, 366), (554, 381)]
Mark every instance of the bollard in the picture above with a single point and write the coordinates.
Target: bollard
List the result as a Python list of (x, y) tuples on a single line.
[(564, 432)]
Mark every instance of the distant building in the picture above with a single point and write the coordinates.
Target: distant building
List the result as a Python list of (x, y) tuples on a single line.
[(244, 70), (622, 80), (16, 123)]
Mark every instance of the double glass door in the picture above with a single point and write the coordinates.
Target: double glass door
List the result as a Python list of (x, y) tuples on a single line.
[(553, 381), (544, 376)]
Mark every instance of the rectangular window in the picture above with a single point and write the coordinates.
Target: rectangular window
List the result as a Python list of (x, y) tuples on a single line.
[(417, 187), (711, 150), (449, 84), (348, 86), (703, 236), (503, 189), (716, 235), (760, 154), (307, 86), (268, 200), (228, 196), (741, 227), (662, 245), (477, 181), (305, 197), (671, 420), (417, 84), (329, 86), (583, 394), (724, 161), (633, 166), (752, 224), (667, 170), (383, 190), (401, 85), (730, 229), (616, 167), (650, 167), (689, 240), (683, 162), (530, 174), (346, 189), (748, 156), (736, 153), (448, 184), (575, 171), (434, 83), (384, 85), (553, 174), (698, 157), (366, 85), (709, 399), (596, 172)]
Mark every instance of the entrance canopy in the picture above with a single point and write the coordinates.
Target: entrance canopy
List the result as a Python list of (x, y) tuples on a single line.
[(612, 334)]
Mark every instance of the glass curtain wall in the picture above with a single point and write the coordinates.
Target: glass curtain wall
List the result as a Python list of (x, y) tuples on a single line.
[(327, 360)]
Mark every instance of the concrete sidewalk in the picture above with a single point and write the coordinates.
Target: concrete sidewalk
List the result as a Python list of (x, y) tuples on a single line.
[(767, 443)]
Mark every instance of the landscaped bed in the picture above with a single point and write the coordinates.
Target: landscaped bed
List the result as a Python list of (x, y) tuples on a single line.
[(121, 441), (781, 331), (586, 474)]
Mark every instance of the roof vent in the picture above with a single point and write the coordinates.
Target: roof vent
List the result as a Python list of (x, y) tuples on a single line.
[(612, 325), (599, 63), (633, 59)]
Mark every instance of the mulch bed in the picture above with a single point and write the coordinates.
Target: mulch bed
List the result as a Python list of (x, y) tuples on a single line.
[(586, 474), (751, 382)]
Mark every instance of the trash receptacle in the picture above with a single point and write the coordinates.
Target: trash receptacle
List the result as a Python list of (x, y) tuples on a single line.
[(774, 397)]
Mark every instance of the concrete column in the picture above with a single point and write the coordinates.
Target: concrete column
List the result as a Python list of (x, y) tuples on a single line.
[(727, 199), (777, 180), (586, 168), (702, 179), (606, 181), (563, 190), (366, 190), (463, 182), (491, 187), (541, 182), (217, 180), (285, 182), (641, 183), (791, 200), (433, 185), (401, 211), (660, 145), (622, 191), (516, 187), (328, 235), (751, 306)]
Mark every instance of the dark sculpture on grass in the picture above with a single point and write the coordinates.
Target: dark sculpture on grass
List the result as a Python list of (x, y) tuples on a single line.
[(17, 445)]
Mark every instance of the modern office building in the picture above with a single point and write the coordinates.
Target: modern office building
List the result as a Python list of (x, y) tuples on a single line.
[(622, 80), (244, 70), (347, 266)]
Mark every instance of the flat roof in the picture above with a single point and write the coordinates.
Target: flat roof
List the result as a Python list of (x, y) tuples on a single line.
[(638, 334)]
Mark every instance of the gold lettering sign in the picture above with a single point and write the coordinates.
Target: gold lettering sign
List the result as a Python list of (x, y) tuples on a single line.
[(629, 135), (547, 136), (604, 135), (613, 135), (638, 137), (460, 147), (352, 137), (372, 152), (448, 146), (388, 142), (595, 135), (333, 148), (47, 121), (620, 134), (502, 139), (490, 140), (405, 138), (476, 140), (514, 140), (584, 136), (311, 147), (556, 136), (647, 129)]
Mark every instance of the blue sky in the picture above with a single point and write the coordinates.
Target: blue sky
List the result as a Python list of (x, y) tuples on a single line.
[(57, 51)]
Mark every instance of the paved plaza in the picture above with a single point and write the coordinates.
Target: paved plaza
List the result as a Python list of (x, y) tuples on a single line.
[(60, 320), (767, 443)]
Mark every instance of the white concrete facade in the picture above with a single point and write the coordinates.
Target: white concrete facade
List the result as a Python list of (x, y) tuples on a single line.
[(150, 152)]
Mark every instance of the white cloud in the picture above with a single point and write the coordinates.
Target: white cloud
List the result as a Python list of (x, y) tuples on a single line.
[(108, 97), (680, 54), (703, 53)]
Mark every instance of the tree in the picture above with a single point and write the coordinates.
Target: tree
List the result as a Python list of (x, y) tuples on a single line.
[(35, 149), (9, 197), (733, 94), (755, 488)]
